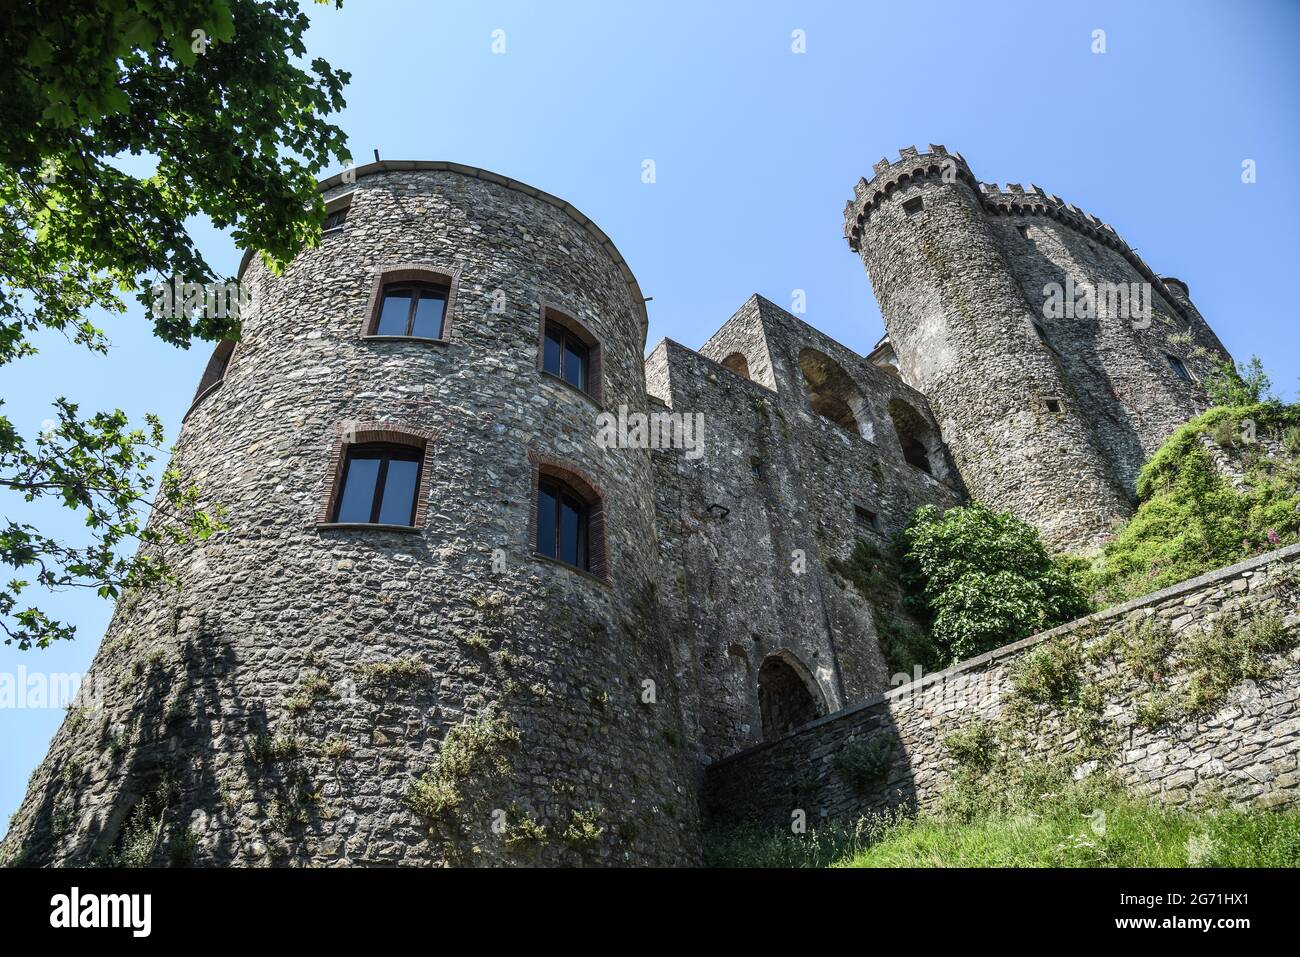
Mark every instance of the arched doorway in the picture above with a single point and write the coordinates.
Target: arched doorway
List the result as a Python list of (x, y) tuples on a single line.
[(787, 695)]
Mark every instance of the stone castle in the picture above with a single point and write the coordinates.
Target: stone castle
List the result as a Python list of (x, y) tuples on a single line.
[(446, 626)]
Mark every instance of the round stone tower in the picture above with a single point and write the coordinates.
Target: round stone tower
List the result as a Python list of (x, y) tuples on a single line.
[(430, 634), (964, 332)]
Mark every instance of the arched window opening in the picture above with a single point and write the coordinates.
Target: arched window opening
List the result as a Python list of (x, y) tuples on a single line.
[(379, 475), (737, 363), (785, 695), (562, 524), (569, 520), (571, 353), (915, 436), (412, 309), (412, 301), (831, 393)]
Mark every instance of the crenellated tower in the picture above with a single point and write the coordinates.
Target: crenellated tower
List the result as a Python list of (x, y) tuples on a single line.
[(1049, 405)]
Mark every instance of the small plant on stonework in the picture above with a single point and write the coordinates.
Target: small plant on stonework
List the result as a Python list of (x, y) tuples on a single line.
[(266, 749), (404, 671), (865, 764), (336, 750), (478, 641), (63, 816), (584, 828), (178, 709), (672, 737), (479, 748), (1156, 709), (293, 809), (505, 660), (1049, 674), (315, 686), (523, 832), (973, 747), (1232, 651), (1148, 647), (310, 690)]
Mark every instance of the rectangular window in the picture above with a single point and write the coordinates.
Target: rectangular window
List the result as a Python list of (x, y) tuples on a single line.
[(380, 485), (566, 356), (865, 517), (912, 206), (562, 520), (1053, 405), (416, 310), (335, 220), (1180, 369)]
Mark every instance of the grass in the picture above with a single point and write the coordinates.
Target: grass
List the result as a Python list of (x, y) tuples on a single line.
[(1079, 827)]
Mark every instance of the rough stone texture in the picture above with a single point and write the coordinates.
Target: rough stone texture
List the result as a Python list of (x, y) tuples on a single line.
[(789, 480), (720, 586), (960, 289), (276, 599), (1249, 750)]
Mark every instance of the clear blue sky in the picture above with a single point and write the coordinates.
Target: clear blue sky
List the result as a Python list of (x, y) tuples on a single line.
[(757, 148)]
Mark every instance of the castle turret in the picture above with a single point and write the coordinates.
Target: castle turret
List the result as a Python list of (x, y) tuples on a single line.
[(964, 333), (430, 633), (1054, 358)]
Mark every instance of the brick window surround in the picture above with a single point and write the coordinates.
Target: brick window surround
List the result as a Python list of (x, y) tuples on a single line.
[(590, 493), (596, 351), (359, 433), (412, 272)]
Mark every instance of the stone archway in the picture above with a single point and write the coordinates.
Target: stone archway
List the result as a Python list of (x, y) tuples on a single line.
[(833, 394), (788, 695)]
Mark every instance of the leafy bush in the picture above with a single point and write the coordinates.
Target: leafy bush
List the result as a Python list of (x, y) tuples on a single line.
[(984, 579), (1191, 519), (1246, 383), (874, 573), (865, 764)]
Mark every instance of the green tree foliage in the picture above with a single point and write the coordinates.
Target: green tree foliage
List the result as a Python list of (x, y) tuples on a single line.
[(1191, 518), (984, 579), (1246, 383), (212, 92)]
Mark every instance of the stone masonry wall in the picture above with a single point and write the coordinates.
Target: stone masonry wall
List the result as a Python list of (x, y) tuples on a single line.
[(1050, 418), (776, 481), (1248, 749), (306, 675)]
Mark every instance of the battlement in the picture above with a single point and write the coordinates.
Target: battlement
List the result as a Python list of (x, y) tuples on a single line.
[(1013, 200), (887, 177)]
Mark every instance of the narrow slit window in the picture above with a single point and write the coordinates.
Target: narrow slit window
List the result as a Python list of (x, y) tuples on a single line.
[(416, 310), (380, 485), (1180, 368)]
